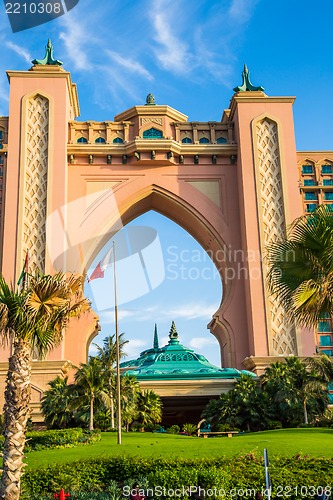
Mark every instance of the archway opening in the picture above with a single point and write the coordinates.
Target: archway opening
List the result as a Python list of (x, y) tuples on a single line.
[(188, 289)]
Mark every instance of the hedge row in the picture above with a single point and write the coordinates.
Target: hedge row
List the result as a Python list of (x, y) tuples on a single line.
[(299, 477), (40, 440)]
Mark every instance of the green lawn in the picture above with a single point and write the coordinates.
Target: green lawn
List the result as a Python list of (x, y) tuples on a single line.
[(287, 442)]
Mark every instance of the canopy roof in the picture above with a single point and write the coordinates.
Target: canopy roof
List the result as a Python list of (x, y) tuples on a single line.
[(175, 362)]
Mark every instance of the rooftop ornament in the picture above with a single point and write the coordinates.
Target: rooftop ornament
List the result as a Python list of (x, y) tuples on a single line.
[(173, 334), (48, 59), (246, 84), (150, 100), (155, 344)]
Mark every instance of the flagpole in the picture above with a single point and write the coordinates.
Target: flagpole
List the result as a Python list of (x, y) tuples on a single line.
[(117, 345)]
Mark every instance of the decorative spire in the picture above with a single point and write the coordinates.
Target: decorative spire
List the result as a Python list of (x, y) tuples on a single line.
[(246, 84), (173, 334), (155, 345), (48, 59), (150, 100)]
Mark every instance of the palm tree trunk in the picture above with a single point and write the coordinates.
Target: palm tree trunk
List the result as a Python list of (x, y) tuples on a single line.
[(305, 412), (16, 415), (91, 417)]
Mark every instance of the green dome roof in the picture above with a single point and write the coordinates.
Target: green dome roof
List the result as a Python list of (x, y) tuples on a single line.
[(175, 362)]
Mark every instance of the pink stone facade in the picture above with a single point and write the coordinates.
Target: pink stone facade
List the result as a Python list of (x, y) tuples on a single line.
[(233, 185)]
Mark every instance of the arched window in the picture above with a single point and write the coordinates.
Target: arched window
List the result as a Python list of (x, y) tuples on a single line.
[(82, 139), (221, 140), (1, 135), (100, 140), (152, 133), (187, 140), (204, 140), (118, 140)]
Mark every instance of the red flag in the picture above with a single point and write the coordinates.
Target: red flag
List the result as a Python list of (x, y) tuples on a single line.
[(101, 266), (97, 273)]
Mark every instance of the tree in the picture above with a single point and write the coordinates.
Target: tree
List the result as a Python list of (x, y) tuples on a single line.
[(32, 319), (57, 404), (300, 268), (90, 385), (322, 365), (129, 390), (245, 406), (251, 403), (148, 408), (108, 356), (299, 389)]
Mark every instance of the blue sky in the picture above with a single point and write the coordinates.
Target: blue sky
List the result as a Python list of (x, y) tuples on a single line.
[(189, 55)]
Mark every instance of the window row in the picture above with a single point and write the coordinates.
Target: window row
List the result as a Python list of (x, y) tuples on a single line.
[(100, 140), (154, 133), (312, 195), (309, 169), (312, 182), (310, 207)]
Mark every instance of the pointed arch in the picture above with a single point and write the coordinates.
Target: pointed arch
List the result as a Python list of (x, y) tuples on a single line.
[(184, 214)]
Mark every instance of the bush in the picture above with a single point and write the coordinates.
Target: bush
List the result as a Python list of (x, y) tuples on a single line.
[(137, 427), (190, 429), (174, 429), (152, 427), (274, 424), (40, 440), (288, 475), (226, 428)]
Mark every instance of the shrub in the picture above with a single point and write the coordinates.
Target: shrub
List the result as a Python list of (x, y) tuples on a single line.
[(190, 429), (243, 472), (226, 428), (40, 440), (274, 424), (174, 429), (152, 427)]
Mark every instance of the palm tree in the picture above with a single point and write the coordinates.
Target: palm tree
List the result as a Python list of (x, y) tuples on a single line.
[(322, 365), (108, 356), (300, 268), (57, 405), (149, 408), (301, 386), (32, 319), (90, 385), (130, 390)]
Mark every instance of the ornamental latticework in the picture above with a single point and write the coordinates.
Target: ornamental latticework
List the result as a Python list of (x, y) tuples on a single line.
[(271, 207), (176, 357), (35, 181)]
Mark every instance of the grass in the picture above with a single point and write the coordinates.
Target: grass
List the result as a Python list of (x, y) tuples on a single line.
[(286, 442)]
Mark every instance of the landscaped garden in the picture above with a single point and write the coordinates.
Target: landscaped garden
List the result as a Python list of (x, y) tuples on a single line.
[(298, 457), (93, 466)]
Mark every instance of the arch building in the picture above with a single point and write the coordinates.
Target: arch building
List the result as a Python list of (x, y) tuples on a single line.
[(67, 186)]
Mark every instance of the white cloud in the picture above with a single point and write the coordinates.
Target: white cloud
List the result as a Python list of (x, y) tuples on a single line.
[(76, 40), (130, 65), (240, 11), (22, 52), (183, 311), (108, 316), (172, 52), (191, 311), (201, 342), (134, 347)]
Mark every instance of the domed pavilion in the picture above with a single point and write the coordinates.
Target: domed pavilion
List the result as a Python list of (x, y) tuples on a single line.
[(185, 380)]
